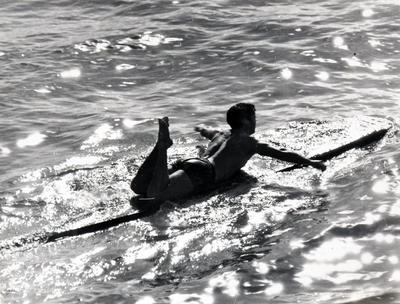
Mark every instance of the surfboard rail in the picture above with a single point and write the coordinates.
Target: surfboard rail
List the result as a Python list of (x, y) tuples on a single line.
[(52, 237)]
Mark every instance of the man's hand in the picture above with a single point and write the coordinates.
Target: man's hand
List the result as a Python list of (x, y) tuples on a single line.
[(207, 133), (318, 165)]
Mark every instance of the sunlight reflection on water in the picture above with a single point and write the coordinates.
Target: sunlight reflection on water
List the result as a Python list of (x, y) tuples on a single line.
[(43, 90), (146, 300), (4, 151), (228, 283), (296, 65), (72, 73), (31, 140), (124, 67), (339, 43), (324, 76), (382, 186), (204, 298), (367, 12), (261, 267), (105, 131), (286, 73), (334, 261)]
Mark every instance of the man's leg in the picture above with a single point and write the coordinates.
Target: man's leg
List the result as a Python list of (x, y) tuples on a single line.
[(152, 176), (179, 186)]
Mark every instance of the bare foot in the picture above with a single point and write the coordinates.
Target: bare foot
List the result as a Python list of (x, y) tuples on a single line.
[(166, 120), (163, 132)]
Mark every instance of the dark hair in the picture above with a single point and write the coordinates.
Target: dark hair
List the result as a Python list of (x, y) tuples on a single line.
[(239, 111)]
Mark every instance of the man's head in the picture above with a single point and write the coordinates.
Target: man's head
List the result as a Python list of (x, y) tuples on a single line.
[(242, 116)]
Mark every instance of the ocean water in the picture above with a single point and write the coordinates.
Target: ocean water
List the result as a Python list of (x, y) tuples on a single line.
[(81, 86)]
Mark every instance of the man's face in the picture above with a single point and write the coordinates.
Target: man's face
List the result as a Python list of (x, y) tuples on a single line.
[(251, 123)]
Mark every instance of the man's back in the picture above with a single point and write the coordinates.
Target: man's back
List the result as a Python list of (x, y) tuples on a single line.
[(229, 152)]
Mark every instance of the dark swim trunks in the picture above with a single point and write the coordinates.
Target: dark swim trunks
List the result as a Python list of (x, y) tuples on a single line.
[(200, 171)]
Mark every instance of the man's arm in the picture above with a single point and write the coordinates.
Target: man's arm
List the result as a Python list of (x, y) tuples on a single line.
[(207, 133), (265, 150)]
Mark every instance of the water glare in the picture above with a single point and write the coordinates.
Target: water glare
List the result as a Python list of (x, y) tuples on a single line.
[(324, 76), (376, 66), (194, 298), (4, 151), (375, 42), (353, 62), (77, 161), (371, 218), (368, 12), (338, 42), (328, 252), (395, 209), (395, 276), (149, 276), (150, 39), (261, 267), (384, 238), (325, 60), (393, 259), (328, 262), (286, 73), (381, 186), (227, 282), (31, 140), (72, 73), (124, 67), (146, 252), (367, 258), (297, 244), (146, 300), (105, 131), (129, 123), (274, 289), (43, 91)]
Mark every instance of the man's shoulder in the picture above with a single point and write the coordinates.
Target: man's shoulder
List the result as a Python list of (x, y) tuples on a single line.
[(253, 143), (251, 139), (245, 140), (248, 143)]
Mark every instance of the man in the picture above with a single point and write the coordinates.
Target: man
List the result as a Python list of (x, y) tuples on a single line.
[(225, 155)]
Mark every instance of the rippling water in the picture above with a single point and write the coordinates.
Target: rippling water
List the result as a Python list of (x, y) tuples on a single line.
[(81, 85)]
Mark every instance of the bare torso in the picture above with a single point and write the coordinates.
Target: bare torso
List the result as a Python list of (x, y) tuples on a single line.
[(229, 152)]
